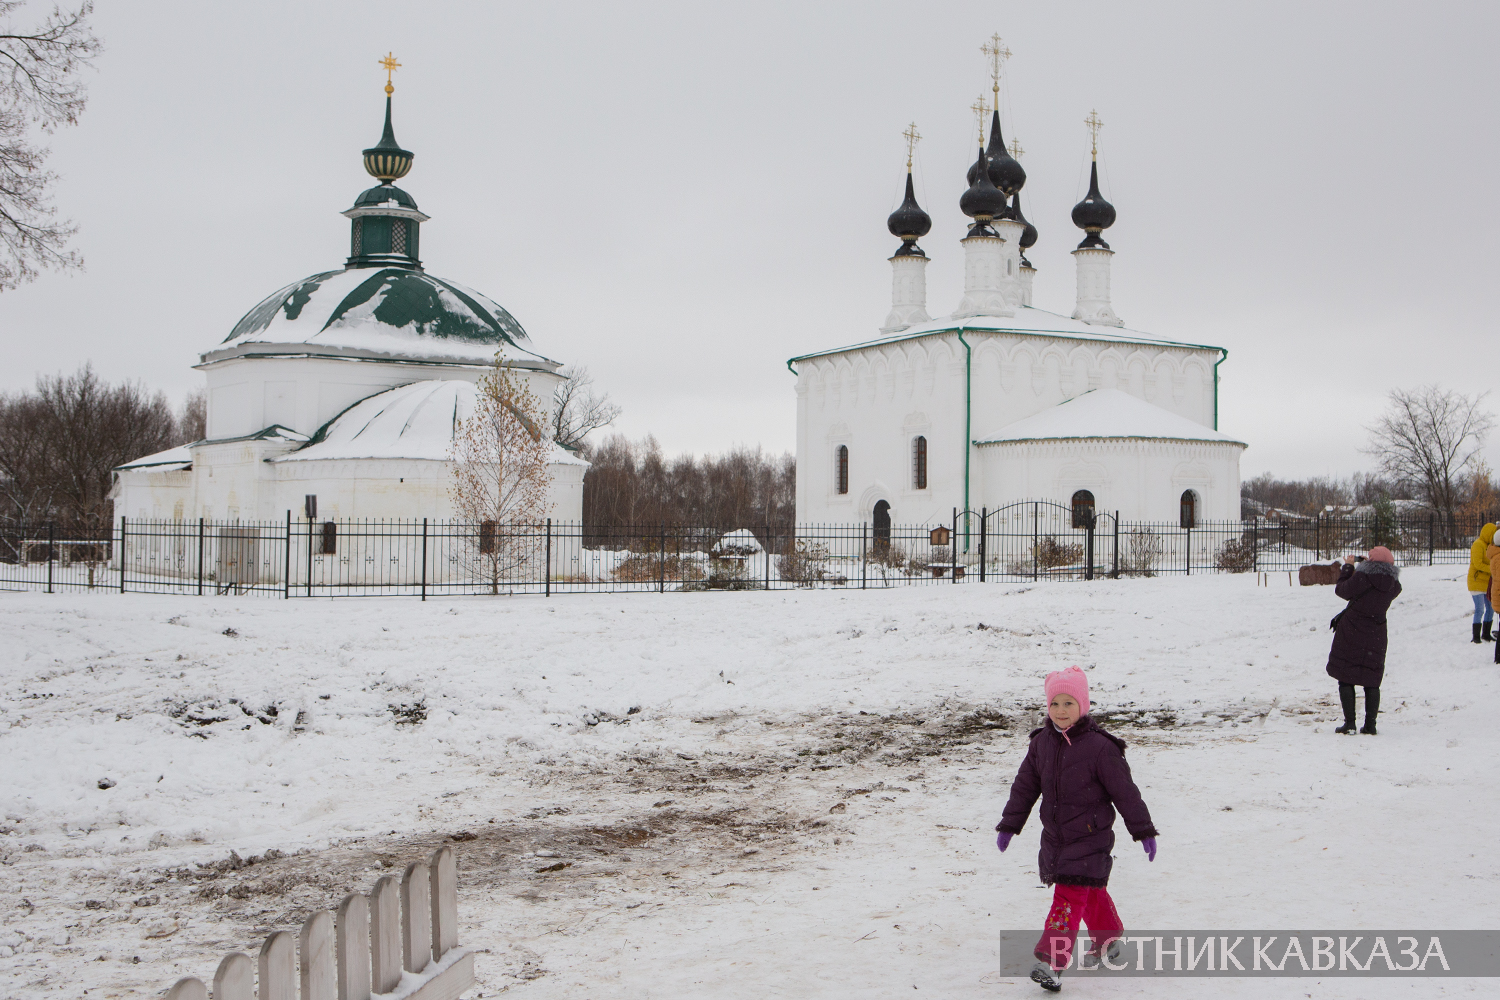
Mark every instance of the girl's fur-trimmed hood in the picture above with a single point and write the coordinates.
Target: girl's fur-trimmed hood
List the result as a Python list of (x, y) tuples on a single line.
[(1379, 568)]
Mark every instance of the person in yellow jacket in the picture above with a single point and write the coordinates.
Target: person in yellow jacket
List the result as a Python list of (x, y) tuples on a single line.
[(1480, 555)]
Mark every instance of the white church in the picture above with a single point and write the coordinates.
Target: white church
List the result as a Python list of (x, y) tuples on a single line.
[(347, 386), (999, 401)]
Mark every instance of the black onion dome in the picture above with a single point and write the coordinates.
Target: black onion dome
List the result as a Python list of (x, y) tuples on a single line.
[(909, 223), (382, 194), (982, 201), (1006, 172), (386, 160), (1093, 214), (1029, 234)]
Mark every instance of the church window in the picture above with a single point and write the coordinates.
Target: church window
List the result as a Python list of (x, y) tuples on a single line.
[(330, 539), (359, 231), (841, 460), (487, 537), (398, 236), (919, 463), (1189, 509), (1083, 509), (882, 526)]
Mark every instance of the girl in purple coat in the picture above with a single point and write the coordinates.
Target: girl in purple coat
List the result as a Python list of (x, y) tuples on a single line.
[(1079, 771)]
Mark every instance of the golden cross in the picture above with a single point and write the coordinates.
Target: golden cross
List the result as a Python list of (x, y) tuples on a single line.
[(979, 109), (1095, 123), (390, 65), (1015, 148), (912, 138), (997, 52)]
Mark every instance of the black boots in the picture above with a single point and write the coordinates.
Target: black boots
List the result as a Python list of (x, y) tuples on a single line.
[(1486, 635), (1372, 708), (1476, 640), (1346, 699)]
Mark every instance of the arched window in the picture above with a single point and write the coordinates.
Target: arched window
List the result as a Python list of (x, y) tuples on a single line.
[(919, 463), (1083, 509), (882, 525), (1189, 509), (841, 473)]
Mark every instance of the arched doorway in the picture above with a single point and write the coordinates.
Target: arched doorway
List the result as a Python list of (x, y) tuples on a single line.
[(1188, 516), (882, 524), (1083, 509)]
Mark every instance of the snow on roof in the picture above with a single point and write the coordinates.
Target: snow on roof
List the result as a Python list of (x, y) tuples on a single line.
[(384, 312), (171, 460), (1027, 320), (740, 541), (1107, 413), (413, 421)]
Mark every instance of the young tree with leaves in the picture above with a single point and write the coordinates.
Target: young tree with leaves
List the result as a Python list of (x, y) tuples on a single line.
[(40, 88), (501, 481)]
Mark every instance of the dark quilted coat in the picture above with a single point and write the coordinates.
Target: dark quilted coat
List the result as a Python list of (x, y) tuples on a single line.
[(1081, 783), (1358, 653)]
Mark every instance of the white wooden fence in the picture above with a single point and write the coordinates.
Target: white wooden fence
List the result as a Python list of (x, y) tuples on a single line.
[(398, 943)]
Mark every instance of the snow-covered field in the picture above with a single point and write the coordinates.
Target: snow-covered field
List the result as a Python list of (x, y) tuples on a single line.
[(752, 794)]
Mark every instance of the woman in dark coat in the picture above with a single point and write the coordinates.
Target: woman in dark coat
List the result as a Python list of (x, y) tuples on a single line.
[(1359, 639)]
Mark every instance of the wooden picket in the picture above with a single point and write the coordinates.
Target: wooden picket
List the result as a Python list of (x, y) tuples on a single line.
[(359, 952)]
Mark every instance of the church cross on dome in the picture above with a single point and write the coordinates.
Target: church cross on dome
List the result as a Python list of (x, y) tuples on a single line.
[(912, 138), (1095, 123), (997, 52), (1015, 148), (978, 107), (390, 65)]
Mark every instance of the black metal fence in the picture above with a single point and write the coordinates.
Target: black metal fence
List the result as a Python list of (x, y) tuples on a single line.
[(1029, 540)]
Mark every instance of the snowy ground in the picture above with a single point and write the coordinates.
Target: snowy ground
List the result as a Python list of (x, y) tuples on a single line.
[(753, 794)]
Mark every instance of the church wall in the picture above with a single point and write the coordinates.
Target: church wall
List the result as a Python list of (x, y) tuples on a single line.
[(1143, 480), (247, 395), (876, 399)]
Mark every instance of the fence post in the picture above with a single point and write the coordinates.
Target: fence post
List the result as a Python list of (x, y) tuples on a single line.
[(200, 555), (1187, 556), (1088, 568), (953, 549), (984, 516), (51, 551), (548, 571), (122, 555), (1115, 572), (661, 562), (1035, 564), (768, 557), (1255, 543), (864, 554), (1429, 539), (424, 558)]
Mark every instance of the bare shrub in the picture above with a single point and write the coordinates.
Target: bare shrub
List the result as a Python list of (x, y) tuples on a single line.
[(1237, 555)]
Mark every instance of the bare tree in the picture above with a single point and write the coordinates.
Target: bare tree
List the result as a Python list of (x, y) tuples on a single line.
[(577, 409), (501, 480), (1429, 437), (59, 445), (192, 422), (40, 68)]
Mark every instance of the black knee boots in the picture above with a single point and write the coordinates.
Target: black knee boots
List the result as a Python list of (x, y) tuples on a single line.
[(1346, 699), (1476, 640), (1372, 708), (1487, 635)]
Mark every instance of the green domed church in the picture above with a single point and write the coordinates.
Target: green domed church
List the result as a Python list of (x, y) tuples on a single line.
[(348, 385)]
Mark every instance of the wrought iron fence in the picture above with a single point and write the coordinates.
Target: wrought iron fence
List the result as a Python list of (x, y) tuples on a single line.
[(1028, 540)]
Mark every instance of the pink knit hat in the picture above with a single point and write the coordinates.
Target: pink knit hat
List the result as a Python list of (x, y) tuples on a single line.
[(1381, 554), (1072, 681)]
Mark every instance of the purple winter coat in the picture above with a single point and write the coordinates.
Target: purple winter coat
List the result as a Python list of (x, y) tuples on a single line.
[(1081, 784), (1358, 653)]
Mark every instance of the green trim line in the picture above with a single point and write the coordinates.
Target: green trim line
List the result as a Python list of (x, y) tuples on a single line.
[(789, 366), (1108, 437), (1060, 334), (968, 423), (1223, 357)]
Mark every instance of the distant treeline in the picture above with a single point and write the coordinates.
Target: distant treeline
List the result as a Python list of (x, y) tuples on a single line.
[(60, 442), (632, 483)]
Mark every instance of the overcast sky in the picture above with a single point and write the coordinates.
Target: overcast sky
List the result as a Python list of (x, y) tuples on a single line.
[(682, 196)]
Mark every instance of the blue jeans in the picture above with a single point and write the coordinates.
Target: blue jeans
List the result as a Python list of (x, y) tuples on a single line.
[(1483, 610)]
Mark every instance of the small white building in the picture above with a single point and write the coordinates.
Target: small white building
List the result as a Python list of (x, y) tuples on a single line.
[(347, 386), (1000, 401)]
